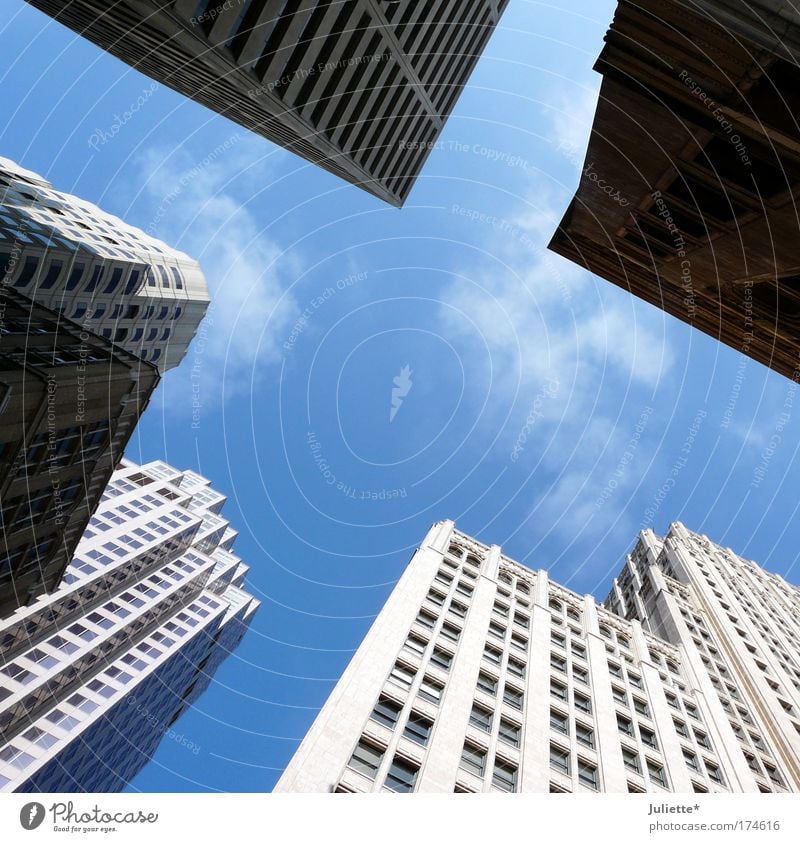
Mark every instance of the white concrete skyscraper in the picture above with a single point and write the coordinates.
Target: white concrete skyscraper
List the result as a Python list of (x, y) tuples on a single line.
[(481, 675), (113, 279), (94, 674)]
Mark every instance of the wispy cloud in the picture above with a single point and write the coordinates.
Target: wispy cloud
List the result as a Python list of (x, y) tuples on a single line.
[(198, 206)]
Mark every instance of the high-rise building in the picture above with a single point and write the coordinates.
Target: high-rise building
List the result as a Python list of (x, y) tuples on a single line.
[(360, 87), (94, 269), (95, 673), (69, 402), (481, 675), (92, 310), (687, 195)]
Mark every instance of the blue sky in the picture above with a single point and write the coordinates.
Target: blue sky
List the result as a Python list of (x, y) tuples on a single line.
[(529, 378)]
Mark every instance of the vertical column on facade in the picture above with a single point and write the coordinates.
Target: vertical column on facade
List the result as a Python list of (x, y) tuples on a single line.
[(444, 754), (605, 720), (535, 766)]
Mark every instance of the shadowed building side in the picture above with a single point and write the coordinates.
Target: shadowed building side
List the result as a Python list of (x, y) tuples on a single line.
[(688, 194)]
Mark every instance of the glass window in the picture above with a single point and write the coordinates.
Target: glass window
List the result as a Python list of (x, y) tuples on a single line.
[(516, 667), (641, 707), (402, 775), (558, 663), (505, 776), (367, 758), (441, 659), (648, 737), (558, 691), (656, 772), (473, 759), (402, 675), (583, 703), (513, 697), (416, 644), (559, 721), (510, 732), (680, 728), (559, 758), (631, 760), (431, 690), (418, 729), (587, 774), (451, 632), (487, 684), (584, 734), (387, 712), (481, 718), (492, 655)]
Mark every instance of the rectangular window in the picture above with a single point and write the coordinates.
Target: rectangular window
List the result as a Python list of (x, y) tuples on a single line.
[(691, 760), (635, 680), (714, 772), (487, 684), (451, 632), (418, 728), (657, 773), (457, 609), (473, 759), (492, 655), (505, 776), (582, 703), (436, 597), (367, 758), (431, 690), (648, 737), (510, 732), (641, 707), (558, 640), (516, 667), (425, 618), (681, 729), (559, 721), (387, 712), (513, 697), (615, 669), (558, 663), (519, 642), (416, 644), (672, 701), (497, 630), (402, 775), (522, 620), (579, 651), (558, 691), (559, 758), (625, 725), (481, 718), (584, 734), (692, 711), (620, 696), (631, 760), (587, 774), (441, 659), (402, 675), (702, 739), (580, 674), (500, 609)]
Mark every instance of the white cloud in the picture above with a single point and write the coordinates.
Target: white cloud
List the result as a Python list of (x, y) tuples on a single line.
[(196, 207)]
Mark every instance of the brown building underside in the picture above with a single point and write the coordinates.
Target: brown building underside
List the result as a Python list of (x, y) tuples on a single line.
[(688, 194)]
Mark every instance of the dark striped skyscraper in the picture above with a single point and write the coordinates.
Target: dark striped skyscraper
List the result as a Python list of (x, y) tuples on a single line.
[(360, 87)]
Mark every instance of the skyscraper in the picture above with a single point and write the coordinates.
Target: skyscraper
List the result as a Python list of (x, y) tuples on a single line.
[(360, 87), (111, 278), (69, 402), (95, 673), (91, 311), (482, 675), (687, 195)]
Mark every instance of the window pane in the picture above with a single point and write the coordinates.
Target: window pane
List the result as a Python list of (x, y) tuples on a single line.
[(402, 775), (366, 759)]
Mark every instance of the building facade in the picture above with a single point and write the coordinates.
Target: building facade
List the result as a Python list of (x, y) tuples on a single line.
[(360, 87), (688, 192), (95, 673), (92, 311), (69, 402), (481, 675), (109, 277)]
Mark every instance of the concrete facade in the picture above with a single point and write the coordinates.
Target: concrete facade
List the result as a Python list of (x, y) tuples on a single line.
[(481, 675), (95, 674), (361, 88)]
